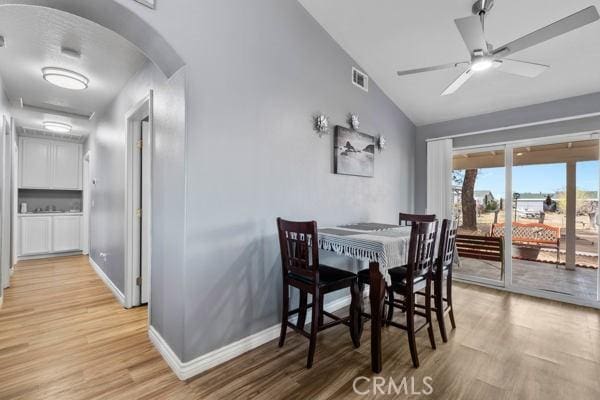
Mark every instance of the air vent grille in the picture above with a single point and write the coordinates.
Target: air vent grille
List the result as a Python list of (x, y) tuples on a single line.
[(360, 79)]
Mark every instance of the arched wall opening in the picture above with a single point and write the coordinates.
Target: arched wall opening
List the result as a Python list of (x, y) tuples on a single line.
[(168, 170), (122, 21)]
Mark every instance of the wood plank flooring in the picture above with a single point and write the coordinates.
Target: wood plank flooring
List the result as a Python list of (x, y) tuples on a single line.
[(63, 336)]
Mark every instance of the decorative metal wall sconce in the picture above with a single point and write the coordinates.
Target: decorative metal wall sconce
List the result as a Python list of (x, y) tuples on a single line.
[(381, 143), (353, 121), (321, 124)]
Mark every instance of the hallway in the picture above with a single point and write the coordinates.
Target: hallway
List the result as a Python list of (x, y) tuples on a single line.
[(63, 335)]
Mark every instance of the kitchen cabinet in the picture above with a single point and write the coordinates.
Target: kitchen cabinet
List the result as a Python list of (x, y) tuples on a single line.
[(35, 163), (66, 233), (49, 164), (49, 233), (35, 236)]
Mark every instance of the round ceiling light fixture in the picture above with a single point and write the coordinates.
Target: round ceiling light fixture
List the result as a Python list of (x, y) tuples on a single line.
[(65, 78), (58, 127)]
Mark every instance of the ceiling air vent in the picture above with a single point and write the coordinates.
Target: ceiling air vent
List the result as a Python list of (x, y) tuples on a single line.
[(360, 79)]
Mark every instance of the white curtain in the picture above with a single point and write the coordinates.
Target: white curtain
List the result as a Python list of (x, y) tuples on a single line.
[(439, 178)]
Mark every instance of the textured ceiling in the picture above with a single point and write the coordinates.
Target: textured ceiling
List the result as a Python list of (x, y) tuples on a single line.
[(385, 36), (34, 37)]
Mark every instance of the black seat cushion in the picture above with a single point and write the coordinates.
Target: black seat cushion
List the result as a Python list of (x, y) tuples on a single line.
[(398, 275), (327, 275)]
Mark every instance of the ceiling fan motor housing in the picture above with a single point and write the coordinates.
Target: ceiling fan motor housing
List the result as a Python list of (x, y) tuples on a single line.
[(482, 6)]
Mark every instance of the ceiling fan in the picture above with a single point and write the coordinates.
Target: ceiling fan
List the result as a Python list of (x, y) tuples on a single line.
[(485, 56)]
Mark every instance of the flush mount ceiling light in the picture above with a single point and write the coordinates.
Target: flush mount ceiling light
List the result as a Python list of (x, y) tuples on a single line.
[(65, 78), (58, 127)]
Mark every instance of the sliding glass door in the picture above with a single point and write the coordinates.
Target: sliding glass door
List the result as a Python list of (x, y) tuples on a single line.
[(555, 205), (528, 215), (479, 204)]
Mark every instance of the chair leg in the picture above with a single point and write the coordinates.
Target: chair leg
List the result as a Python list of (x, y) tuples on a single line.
[(314, 328), (356, 314), (428, 313), (390, 313), (284, 314), (321, 315), (302, 309), (449, 299), (410, 328), (439, 309)]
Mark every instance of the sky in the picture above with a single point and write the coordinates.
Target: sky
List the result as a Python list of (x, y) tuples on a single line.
[(545, 178)]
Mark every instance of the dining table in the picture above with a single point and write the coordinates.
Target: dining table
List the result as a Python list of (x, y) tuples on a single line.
[(382, 246)]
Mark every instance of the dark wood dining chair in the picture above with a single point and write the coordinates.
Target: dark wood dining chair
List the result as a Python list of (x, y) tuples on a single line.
[(443, 268), (409, 219), (409, 279), (301, 269)]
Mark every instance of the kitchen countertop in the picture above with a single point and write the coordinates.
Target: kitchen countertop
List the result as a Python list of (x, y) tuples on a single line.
[(49, 214)]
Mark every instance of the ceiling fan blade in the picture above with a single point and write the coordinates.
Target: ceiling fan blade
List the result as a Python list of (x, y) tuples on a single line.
[(435, 68), (454, 86), (471, 31), (570, 23), (521, 68)]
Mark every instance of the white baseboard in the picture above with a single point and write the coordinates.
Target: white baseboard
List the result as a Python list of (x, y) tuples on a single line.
[(115, 290), (188, 369)]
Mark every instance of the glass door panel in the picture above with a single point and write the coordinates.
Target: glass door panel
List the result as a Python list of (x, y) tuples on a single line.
[(479, 205), (554, 207)]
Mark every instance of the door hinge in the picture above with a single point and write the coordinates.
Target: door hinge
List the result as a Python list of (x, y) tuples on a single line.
[(140, 144), (138, 281), (138, 213)]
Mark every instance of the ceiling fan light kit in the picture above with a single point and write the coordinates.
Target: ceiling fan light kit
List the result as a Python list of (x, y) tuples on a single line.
[(484, 56)]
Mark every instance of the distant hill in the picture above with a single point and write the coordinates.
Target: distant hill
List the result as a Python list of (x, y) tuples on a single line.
[(370, 149)]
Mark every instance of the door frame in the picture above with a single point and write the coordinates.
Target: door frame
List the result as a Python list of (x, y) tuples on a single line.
[(134, 117), (86, 206), (506, 283)]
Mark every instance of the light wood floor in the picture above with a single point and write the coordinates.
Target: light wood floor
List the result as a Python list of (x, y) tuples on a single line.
[(63, 336)]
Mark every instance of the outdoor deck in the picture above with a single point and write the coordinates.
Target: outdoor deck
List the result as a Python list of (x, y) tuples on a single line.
[(579, 283)]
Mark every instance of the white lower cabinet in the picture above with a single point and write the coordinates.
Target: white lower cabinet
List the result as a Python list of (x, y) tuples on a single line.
[(40, 235), (66, 233), (35, 235)]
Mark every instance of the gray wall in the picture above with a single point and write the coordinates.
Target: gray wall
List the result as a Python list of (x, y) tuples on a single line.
[(566, 116), (255, 74), (258, 71), (107, 144)]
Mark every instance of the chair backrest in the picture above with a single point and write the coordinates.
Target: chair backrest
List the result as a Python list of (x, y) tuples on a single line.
[(409, 219), (299, 248), (421, 249), (447, 245)]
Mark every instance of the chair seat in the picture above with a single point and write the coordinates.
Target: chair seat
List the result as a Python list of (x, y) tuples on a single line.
[(327, 276), (398, 275)]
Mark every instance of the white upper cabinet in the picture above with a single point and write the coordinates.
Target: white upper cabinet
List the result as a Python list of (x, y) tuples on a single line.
[(49, 164), (35, 163), (67, 166)]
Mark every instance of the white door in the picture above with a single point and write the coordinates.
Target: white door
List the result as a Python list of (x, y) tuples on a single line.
[(35, 235), (67, 166), (35, 163), (145, 190), (66, 233)]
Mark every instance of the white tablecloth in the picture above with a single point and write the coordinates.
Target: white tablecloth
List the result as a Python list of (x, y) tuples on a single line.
[(385, 244)]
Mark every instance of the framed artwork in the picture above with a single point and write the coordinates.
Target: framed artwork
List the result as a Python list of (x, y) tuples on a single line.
[(148, 3), (354, 152)]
